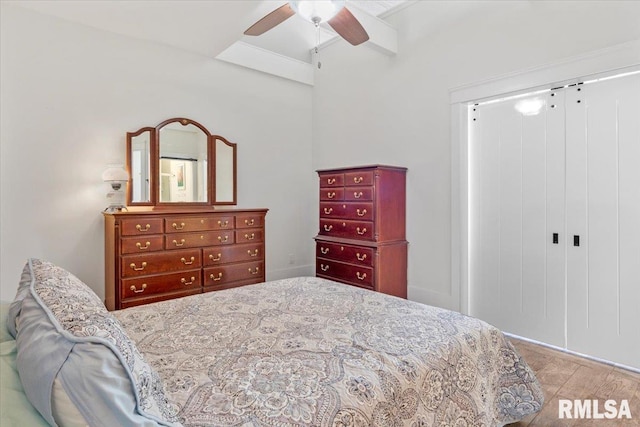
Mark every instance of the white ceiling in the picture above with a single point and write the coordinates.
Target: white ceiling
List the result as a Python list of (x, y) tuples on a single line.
[(204, 27)]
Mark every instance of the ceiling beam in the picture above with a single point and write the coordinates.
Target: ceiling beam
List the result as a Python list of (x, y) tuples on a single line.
[(382, 36), (259, 59)]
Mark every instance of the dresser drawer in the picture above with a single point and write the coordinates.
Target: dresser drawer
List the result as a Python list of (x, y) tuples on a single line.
[(362, 230), (358, 178), (141, 244), (249, 235), (358, 193), (351, 210), (143, 286), (181, 224), (197, 240), (221, 275), (229, 254), (249, 221), (357, 275), (358, 255), (153, 263), (331, 180), (139, 226), (332, 194)]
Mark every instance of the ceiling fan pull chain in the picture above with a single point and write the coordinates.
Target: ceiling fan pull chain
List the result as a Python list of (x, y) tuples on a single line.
[(317, 51)]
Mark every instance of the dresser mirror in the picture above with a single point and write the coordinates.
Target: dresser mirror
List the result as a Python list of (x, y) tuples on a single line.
[(179, 162)]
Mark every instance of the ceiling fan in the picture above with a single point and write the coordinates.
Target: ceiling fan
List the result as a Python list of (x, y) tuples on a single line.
[(332, 12)]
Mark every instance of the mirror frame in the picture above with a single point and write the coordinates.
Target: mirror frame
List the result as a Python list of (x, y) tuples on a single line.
[(154, 153)]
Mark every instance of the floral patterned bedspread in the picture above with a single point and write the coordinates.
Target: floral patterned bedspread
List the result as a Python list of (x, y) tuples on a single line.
[(312, 352)]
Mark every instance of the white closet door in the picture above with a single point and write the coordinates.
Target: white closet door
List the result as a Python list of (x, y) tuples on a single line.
[(603, 209), (516, 182)]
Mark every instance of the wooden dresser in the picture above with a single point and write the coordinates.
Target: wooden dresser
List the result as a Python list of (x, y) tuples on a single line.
[(155, 255), (362, 238)]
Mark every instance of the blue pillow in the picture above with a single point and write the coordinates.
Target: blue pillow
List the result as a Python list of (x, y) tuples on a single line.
[(63, 331)]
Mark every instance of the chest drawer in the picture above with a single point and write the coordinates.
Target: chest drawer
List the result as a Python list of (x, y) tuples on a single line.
[(139, 226), (230, 254), (181, 224), (352, 210), (198, 240), (154, 263), (358, 255), (357, 275), (221, 275), (249, 235), (143, 286), (362, 230), (332, 194), (141, 244), (331, 180), (358, 178), (358, 193)]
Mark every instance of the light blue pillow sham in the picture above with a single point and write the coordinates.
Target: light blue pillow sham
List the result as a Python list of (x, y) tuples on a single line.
[(63, 331)]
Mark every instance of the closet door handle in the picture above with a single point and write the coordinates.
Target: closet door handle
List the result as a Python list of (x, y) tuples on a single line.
[(576, 240), (555, 238)]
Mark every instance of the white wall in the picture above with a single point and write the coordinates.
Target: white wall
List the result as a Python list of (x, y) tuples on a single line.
[(370, 108), (69, 95)]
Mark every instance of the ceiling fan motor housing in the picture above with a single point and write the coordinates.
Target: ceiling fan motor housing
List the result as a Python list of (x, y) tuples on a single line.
[(317, 11)]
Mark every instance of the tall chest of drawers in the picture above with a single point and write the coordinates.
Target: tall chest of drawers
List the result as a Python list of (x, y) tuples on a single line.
[(157, 255), (362, 239)]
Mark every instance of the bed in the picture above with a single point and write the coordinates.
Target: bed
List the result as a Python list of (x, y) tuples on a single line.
[(295, 352)]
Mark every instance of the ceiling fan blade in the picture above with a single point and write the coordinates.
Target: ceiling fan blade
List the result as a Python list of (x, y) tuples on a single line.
[(269, 21), (348, 27)]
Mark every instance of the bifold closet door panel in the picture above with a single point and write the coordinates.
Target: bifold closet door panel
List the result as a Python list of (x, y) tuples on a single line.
[(516, 204), (603, 210)]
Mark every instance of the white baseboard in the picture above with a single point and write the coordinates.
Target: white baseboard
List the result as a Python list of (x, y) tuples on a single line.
[(297, 271)]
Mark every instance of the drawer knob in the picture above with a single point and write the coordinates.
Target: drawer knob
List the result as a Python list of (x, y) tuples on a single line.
[(331, 195), (217, 258), (361, 232), (223, 240), (328, 227), (254, 253), (146, 245), (184, 281), (331, 181), (223, 224), (362, 212), (178, 244), (324, 250), (361, 276), (185, 262), (142, 266), (146, 227), (255, 271), (250, 236), (357, 194), (357, 179), (249, 222), (216, 278), (137, 291), (324, 267), (178, 227), (361, 257), (328, 211)]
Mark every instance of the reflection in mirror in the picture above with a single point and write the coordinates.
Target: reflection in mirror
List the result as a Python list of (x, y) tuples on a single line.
[(183, 164), (141, 167), (225, 167)]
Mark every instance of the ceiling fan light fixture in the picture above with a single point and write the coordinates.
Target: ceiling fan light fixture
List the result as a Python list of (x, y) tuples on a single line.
[(317, 11)]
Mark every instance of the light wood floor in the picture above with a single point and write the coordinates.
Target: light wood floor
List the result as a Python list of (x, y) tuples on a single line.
[(565, 376)]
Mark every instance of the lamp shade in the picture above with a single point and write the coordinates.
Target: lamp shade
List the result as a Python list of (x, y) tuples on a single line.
[(115, 173), (317, 10)]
